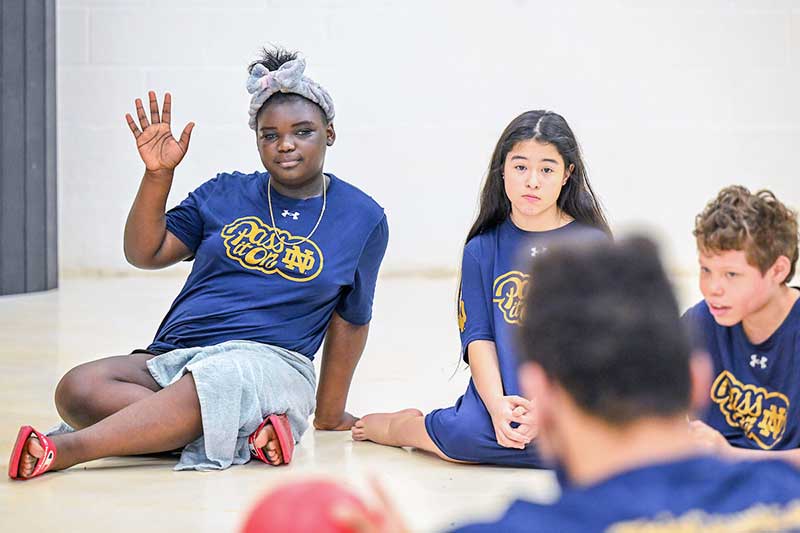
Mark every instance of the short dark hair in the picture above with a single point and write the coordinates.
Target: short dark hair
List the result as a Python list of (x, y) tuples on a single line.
[(602, 321), (272, 59), (756, 223)]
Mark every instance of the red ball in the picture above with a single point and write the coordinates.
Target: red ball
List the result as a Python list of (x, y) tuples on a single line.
[(301, 507)]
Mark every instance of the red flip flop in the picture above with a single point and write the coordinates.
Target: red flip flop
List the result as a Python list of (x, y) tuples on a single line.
[(284, 433), (42, 465)]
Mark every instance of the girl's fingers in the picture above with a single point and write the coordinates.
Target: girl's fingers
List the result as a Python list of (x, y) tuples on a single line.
[(520, 401), (154, 118), (166, 113), (186, 136), (514, 435), (140, 113), (132, 125), (522, 416)]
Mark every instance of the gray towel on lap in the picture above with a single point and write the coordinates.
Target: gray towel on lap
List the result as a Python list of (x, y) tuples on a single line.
[(239, 383)]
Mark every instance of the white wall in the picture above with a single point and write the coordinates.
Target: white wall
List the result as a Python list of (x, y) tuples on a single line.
[(671, 100)]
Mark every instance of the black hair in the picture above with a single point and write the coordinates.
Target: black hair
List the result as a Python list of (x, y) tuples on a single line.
[(602, 321), (577, 199), (272, 59)]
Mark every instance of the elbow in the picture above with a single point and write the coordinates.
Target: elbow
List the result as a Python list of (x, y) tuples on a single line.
[(137, 260)]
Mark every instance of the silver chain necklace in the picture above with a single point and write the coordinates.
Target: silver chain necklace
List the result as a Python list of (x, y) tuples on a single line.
[(272, 217)]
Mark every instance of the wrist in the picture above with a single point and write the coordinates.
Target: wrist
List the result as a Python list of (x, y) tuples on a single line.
[(328, 417), (493, 403), (161, 175)]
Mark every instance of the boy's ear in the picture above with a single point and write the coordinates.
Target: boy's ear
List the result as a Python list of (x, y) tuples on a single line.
[(780, 269)]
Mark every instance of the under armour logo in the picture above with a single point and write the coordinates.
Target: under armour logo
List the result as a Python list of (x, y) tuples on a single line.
[(536, 251), (758, 361), (287, 213)]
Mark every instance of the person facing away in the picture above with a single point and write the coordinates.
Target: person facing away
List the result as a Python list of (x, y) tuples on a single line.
[(749, 322), (281, 259), (608, 363), (536, 192)]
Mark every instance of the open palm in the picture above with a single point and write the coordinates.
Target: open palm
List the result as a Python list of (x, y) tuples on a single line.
[(157, 147)]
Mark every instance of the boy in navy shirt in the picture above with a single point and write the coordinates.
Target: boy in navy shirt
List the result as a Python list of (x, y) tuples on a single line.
[(749, 322), (607, 364)]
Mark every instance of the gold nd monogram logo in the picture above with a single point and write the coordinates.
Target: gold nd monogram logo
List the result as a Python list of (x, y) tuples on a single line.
[(760, 414), (258, 246), (299, 260), (509, 295)]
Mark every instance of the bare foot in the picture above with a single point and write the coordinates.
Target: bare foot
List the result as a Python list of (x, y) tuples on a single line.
[(31, 454), (268, 441), (377, 426)]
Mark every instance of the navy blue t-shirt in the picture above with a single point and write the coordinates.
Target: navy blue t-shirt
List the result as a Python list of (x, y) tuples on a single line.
[(252, 281), (494, 283), (756, 389), (700, 494)]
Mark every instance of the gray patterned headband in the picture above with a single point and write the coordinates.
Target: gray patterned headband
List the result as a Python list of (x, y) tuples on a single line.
[(287, 79)]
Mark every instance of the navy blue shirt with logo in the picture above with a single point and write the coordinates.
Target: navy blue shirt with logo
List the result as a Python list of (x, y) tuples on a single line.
[(494, 283), (756, 388), (269, 283), (698, 494)]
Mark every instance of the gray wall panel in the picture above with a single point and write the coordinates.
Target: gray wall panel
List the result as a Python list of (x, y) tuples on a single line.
[(28, 259)]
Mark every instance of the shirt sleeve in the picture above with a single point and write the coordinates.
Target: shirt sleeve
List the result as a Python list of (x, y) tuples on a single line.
[(694, 328), (355, 303), (474, 313), (185, 220)]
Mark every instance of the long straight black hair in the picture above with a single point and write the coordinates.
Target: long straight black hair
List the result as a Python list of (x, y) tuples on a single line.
[(577, 199)]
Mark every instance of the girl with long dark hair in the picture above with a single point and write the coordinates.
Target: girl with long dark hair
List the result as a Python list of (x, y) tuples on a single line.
[(536, 191)]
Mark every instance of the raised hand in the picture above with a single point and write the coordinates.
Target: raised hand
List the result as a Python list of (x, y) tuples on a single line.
[(157, 147)]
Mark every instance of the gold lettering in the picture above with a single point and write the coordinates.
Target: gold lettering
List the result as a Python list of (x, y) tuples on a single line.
[(743, 406), (256, 245)]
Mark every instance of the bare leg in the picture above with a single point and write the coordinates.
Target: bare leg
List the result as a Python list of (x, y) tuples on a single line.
[(92, 391), (160, 422), (403, 428)]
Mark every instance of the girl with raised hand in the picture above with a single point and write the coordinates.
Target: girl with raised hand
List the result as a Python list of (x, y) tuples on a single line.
[(282, 259)]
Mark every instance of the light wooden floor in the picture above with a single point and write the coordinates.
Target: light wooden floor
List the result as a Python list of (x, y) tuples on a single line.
[(410, 359)]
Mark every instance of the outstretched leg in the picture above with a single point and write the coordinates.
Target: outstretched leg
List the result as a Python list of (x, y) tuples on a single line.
[(401, 429)]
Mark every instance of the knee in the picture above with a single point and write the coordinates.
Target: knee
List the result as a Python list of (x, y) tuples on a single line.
[(74, 393)]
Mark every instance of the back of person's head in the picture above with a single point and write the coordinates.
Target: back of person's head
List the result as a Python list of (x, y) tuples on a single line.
[(602, 322), (755, 223)]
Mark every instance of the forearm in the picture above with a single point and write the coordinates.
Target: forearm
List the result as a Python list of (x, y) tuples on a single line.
[(344, 344), (485, 370), (748, 454), (145, 229)]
